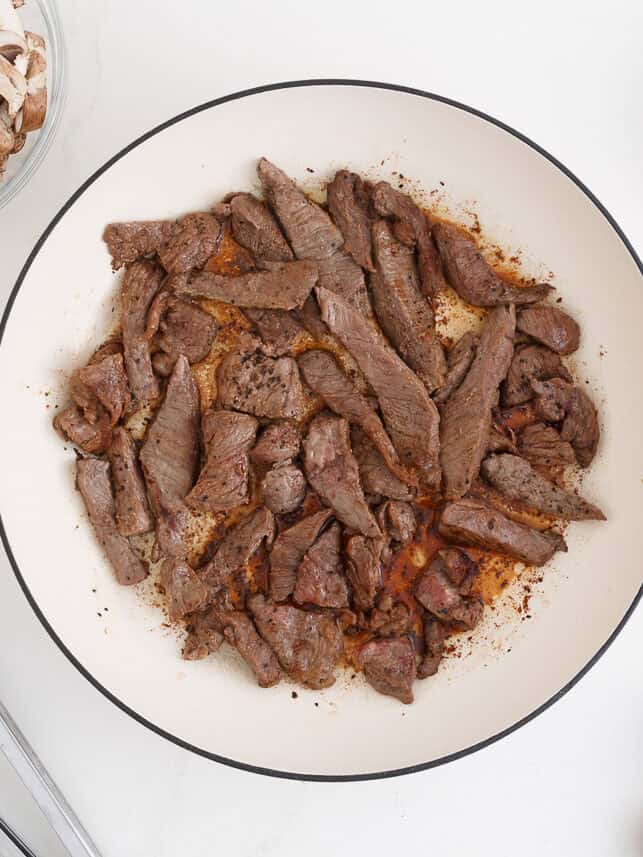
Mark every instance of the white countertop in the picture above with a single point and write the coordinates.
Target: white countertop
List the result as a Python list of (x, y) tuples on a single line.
[(569, 783)]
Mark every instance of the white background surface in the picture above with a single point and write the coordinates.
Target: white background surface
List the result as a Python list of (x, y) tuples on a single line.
[(569, 75)]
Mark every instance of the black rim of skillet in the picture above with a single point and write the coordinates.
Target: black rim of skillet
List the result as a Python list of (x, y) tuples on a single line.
[(5, 318)]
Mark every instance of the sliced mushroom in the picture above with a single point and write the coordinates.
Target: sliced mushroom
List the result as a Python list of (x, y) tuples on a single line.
[(7, 137), (32, 115), (12, 45), (13, 86)]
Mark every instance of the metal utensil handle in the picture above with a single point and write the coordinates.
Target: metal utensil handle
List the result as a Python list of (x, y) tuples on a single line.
[(44, 790)]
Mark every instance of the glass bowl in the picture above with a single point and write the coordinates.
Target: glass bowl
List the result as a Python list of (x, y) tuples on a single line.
[(39, 16)]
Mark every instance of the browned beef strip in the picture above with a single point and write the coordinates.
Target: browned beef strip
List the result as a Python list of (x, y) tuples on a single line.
[(93, 482), (530, 363), (343, 276), (410, 415), (288, 551), (397, 519), (255, 228), (170, 456), (312, 320), (278, 442), (183, 587), (404, 315), (474, 522), (551, 326), (127, 242), (205, 635), (278, 328), (140, 284), (459, 360), (514, 477), (348, 204), (466, 417), (319, 577), (308, 645), (498, 442), (437, 593), (91, 437), (332, 471), (434, 635), (325, 377), (375, 476), (311, 232), (193, 240), (459, 567), (283, 488), (223, 482), (260, 385), (389, 667), (556, 400), (130, 500), (543, 446), (472, 278), (104, 381), (285, 285), (185, 329), (239, 543), (415, 230), (240, 632), (364, 569)]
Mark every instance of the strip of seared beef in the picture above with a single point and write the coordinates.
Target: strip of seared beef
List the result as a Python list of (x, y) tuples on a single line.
[(415, 230), (389, 667), (332, 471), (375, 476), (474, 522), (437, 593), (530, 363), (72, 425), (404, 315), (283, 488), (278, 329), (434, 636), (278, 442), (543, 446), (223, 482), (184, 329), (240, 632), (459, 360), (130, 500), (364, 569), (551, 326), (205, 635), (127, 242), (343, 276), (474, 279), (285, 285), (102, 384), (261, 385), (498, 442), (183, 587), (170, 456), (319, 577), (325, 377), (466, 417), (255, 228), (140, 284), (289, 549), (397, 519), (308, 645), (239, 543), (410, 415), (93, 482), (348, 204), (556, 400)]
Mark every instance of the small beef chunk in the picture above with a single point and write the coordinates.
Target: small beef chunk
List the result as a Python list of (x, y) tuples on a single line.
[(93, 482), (410, 415), (170, 456), (397, 519), (283, 488), (472, 277), (183, 587), (132, 509), (277, 443), (403, 313), (185, 329), (240, 632), (459, 360), (289, 549), (394, 622), (499, 442), (285, 285), (348, 204), (205, 635), (515, 478), (223, 482), (466, 417), (319, 577), (332, 471), (557, 400), (93, 438), (475, 522), (438, 594), (413, 228), (140, 284), (434, 636), (255, 228), (260, 385), (543, 447), (308, 645), (193, 240), (530, 363), (279, 330), (239, 543), (127, 242), (551, 326), (364, 569), (102, 384), (459, 567), (325, 377), (389, 667), (375, 476)]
